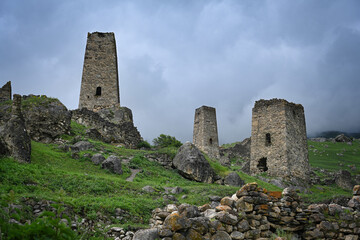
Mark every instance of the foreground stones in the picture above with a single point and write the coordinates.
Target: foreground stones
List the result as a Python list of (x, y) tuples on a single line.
[(113, 164), (254, 213), (192, 164)]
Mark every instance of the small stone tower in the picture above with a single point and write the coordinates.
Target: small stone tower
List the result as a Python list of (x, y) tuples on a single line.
[(100, 82), (278, 139), (205, 135)]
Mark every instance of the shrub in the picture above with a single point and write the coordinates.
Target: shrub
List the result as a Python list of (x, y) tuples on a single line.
[(166, 141), (144, 144)]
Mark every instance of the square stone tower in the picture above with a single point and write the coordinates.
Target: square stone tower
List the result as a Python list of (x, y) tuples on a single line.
[(100, 82), (205, 136), (278, 139)]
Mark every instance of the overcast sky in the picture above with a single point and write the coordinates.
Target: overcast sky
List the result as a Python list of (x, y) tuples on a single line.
[(177, 55)]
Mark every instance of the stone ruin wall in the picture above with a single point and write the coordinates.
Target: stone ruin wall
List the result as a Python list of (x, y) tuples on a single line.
[(278, 139), (100, 83), (5, 92), (205, 136)]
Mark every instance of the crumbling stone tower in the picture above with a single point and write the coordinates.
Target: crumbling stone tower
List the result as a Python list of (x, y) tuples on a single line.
[(100, 82), (205, 136), (278, 139)]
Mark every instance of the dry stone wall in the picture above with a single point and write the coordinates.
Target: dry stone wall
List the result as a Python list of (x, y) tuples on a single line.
[(100, 83), (205, 136), (254, 213), (278, 139)]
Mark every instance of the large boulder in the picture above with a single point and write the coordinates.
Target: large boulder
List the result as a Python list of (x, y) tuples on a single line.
[(81, 146), (233, 179), (113, 164), (342, 138), (191, 164), (14, 139)]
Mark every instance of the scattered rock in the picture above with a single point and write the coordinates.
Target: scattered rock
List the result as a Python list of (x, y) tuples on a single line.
[(148, 234), (98, 158), (81, 146), (113, 164), (148, 189), (343, 179)]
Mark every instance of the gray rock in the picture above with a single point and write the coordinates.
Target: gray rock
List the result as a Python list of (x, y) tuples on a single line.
[(342, 138), (221, 235), (177, 190), (343, 179), (46, 119), (82, 146), (192, 164), (237, 235), (93, 133), (14, 139), (113, 164), (148, 234), (98, 159), (233, 179), (148, 189)]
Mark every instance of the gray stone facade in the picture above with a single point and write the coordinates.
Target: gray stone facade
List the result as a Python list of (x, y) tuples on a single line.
[(5, 92), (205, 136), (278, 139), (100, 83)]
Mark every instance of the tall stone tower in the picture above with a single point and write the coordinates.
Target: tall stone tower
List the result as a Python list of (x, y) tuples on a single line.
[(205, 135), (278, 139), (100, 82), (5, 92)]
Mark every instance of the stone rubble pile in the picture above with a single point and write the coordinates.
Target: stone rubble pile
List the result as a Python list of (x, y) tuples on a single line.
[(255, 213)]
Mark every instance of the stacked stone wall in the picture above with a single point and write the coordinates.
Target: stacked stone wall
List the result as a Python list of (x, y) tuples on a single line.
[(255, 213), (100, 83), (278, 139), (205, 136), (5, 92)]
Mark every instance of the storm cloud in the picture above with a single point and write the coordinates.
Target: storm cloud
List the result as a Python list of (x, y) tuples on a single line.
[(175, 56)]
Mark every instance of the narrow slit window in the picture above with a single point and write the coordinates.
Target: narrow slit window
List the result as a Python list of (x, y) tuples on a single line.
[(98, 91), (210, 141), (267, 139)]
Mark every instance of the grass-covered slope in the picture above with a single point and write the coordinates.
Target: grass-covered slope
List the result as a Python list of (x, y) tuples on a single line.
[(56, 175)]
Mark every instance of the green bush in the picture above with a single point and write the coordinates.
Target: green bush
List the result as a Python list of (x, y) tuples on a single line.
[(166, 141), (144, 144)]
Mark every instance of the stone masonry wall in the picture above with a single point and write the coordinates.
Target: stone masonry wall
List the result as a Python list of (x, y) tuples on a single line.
[(100, 83), (278, 139), (5, 92), (205, 136)]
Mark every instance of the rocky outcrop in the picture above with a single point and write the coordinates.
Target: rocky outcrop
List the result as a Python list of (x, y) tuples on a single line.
[(116, 114), (255, 213), (240, 151), (45, 118), (191, 164), (14, 139), (113, 164), (124, 132), (5, 92)]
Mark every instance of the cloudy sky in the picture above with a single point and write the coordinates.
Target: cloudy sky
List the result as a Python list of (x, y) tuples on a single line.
[(175, 56)]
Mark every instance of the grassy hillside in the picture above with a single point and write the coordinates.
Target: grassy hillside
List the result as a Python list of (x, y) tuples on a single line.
[(91, 191)]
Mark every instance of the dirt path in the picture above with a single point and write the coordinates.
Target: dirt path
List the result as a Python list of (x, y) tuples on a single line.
[(133, 174)]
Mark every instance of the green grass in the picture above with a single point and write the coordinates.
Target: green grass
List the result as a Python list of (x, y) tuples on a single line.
[(335, 156)]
